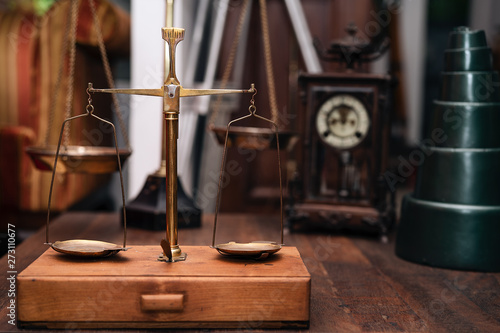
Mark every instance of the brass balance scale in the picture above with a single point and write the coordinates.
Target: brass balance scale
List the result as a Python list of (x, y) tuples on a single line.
[(236, 287), (171, 92), (90, 158)]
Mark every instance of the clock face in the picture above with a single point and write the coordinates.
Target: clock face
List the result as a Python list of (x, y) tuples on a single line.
[(342, 121)]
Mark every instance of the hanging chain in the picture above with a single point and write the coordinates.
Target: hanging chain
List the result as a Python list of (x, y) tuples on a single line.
[(53, 102), (268, 60), (230, 62), (269, 63), (71, 75), (109, 75)]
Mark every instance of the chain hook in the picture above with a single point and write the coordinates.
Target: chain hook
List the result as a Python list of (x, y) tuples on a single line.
[(89, 108), (252, 107)]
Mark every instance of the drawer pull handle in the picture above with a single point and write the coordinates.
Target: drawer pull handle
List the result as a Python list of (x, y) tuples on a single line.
[(162, 302)]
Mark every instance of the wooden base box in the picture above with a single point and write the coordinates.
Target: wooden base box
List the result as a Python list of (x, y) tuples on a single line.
[(134, 290)]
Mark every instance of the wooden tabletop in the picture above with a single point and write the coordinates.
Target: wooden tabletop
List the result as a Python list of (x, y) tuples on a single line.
[(358, 284)]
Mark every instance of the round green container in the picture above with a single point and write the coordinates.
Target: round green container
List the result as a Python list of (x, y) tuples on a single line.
[(479, 87), (452, 220), (476, 59), (463, 237), (464, 38), (465, 125), (460, 176)]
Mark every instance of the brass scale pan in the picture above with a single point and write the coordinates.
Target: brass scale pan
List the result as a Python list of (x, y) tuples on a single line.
[(87, 160), (82, 159), (251, 138)]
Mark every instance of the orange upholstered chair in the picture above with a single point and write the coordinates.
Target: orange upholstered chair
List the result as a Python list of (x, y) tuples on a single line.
[(30, 54)]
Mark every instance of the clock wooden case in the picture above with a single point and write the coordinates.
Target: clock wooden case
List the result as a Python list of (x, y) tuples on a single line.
[(344, 123)]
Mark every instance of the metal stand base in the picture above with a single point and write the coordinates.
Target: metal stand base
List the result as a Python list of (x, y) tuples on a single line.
[(181, 257), (148, 209)]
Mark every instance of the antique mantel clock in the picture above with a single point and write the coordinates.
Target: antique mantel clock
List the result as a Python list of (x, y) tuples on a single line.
[(344, 123)]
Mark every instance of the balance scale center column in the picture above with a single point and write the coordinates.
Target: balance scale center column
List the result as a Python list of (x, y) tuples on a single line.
[(171, 98), (171, 114), (172, 126)]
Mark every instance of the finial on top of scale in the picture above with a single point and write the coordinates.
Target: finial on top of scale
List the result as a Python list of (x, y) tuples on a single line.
[(172, 34)]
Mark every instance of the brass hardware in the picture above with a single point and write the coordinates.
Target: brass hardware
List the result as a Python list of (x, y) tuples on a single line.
[(165, 245), (169, 22), (87, 248), (172, 36), (256, 249), (184, 92), (200, 92), (79, 247), (148, 92), (171, 92), (180, 257)]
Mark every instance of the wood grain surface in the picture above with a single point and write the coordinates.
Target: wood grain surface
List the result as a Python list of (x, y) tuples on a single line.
[(357, 285)]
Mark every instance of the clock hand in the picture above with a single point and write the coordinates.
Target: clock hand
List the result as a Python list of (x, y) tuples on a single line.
[(343, 115)]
